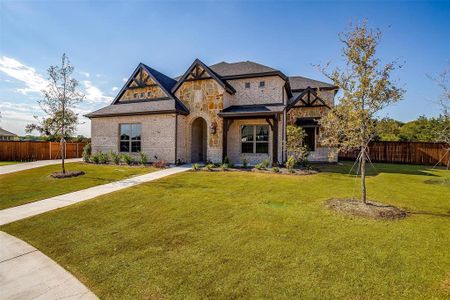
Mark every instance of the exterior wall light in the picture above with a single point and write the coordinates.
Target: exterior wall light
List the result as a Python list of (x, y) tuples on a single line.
[(213, 128)]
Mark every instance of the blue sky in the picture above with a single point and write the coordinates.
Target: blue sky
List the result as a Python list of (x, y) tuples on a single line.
[(106, 40)]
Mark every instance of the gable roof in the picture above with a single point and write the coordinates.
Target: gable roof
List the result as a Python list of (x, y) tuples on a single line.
[(226, 69), (211, 73), (301, 83), (4, 132), (165, 82)]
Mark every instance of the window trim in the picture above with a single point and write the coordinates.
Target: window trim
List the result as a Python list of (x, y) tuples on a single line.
[(130, 141), (254, 141)]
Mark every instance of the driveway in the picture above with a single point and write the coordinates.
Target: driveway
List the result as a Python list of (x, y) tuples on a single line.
[(26, 273), (34, 164)]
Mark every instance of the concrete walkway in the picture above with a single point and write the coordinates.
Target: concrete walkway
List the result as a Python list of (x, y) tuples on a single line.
[(26, 273), (34, 164), (35, 208)]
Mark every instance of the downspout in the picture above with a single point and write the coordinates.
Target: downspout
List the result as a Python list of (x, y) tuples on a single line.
[(176, 137)]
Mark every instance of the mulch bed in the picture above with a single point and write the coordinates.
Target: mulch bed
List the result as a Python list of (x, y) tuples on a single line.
[(374, 210), (60, 175), (282, 171)]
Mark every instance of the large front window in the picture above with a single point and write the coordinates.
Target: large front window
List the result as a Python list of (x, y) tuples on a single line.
[(255, 139), (130, 137)]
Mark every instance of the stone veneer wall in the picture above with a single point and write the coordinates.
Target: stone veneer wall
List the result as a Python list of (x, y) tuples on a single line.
[(321, 153), (157, 136), (203, 98), (273, 92)]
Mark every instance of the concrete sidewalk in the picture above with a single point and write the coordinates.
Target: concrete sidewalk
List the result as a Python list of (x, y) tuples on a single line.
[(26, 273), (34, 164), (35, 208)]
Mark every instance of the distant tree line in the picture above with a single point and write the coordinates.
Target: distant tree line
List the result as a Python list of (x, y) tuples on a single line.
[(422, 129)]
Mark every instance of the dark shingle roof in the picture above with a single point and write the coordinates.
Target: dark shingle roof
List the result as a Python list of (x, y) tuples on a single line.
[(239, 68), (138, 108), (164, 80), (300, 83), (251, 109), (4, 132)]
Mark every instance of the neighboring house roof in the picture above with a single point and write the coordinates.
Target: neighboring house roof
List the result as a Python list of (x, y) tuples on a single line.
[(301, 83), (4, 132), (138, 108)]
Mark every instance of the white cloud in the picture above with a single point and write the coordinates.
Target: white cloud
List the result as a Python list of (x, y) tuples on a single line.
[(124, 79), (94, 94), (114, 88), (34, 83), (86, 74)]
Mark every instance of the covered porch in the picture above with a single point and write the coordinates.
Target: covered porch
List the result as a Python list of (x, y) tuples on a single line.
[(252, 133)]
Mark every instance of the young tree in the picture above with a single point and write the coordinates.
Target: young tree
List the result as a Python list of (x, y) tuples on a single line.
[(60, 98), (442, 127), (295, 147), (366, 88)]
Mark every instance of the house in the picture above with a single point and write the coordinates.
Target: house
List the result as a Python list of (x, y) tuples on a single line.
[(5, 135), (236, 110)]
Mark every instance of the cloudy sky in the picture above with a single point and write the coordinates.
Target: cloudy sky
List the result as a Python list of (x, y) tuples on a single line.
[(106, 40)]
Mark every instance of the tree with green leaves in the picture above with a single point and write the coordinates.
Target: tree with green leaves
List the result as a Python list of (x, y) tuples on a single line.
[(366, 88), (295, 145), (58, 103), (442, 128)]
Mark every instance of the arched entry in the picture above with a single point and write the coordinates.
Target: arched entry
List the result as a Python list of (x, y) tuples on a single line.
[(198, 140)]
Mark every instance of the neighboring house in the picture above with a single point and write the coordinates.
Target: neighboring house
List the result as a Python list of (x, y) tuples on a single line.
[(239, 110), (7, 136)]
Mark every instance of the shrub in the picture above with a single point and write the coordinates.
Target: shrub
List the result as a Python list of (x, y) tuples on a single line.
[(224, 167), (87, 152), (245, 163), (196, 167), (258, 166), (276, 169), (226, 160), (290, 163), (209, 166), (143, 158), (95, 158), (103, 158), (128, 159), (160, 164), (265, 163), (114, 157)]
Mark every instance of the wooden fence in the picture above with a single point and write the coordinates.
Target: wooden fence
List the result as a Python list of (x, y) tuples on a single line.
[(416, 153), (36, 150)]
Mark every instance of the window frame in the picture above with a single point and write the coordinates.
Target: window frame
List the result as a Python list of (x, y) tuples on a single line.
[(254, 141), (262, 84), (247, 85), (130, 140)]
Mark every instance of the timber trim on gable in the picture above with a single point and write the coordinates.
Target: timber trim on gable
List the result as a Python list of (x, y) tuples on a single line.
[(193, 73), (312, 99)]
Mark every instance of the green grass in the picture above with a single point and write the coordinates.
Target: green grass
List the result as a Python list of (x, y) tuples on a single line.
[(6, 163), (247, 235), (36, 184)]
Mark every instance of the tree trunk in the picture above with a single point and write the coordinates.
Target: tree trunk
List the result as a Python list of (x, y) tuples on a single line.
[(363, 175), (63, 154)]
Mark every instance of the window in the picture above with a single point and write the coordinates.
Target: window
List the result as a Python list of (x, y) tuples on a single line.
[(149, 94), (247, 85), (262, 84), (135, 95), (142, 95), (310, 139), (255, 139), (130, 137)]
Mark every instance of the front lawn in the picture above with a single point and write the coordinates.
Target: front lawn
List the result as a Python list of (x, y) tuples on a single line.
[(36, 184), (6, 163), (245, 235)]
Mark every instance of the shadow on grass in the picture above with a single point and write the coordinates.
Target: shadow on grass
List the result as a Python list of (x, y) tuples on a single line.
[(428, 213), (345, 167)]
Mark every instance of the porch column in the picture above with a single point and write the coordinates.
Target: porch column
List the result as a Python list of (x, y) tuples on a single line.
[(275, 140), (224, 138)]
